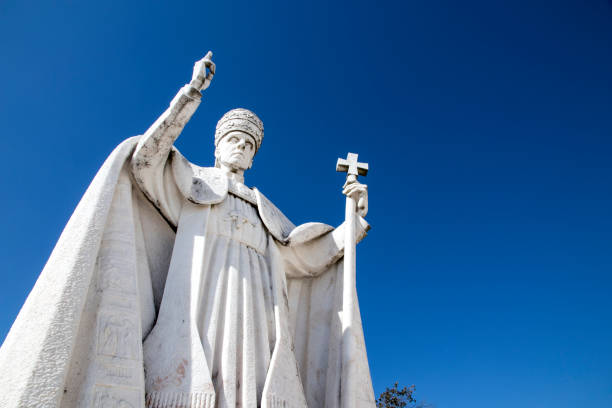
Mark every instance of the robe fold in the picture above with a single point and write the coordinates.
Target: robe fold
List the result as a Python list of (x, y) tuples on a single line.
[(78, 340), (200, 294)]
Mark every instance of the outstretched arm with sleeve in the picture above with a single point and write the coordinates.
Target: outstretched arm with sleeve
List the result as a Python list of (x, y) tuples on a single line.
[(150, 159), (313, 247)]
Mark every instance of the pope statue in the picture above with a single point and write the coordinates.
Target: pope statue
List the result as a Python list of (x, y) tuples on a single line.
[(175, 285)]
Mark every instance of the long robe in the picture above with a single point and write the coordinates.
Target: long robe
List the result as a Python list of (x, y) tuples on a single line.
[(227, 257), (120, 270)]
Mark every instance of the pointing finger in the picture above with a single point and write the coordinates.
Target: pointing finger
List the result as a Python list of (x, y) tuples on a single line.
[(208, 55)]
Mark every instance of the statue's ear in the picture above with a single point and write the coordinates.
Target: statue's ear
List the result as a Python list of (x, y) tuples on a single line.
[(253, 159), (217, 154)]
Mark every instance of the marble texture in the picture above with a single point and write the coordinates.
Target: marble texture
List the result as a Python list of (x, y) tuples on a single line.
[(175, 285)]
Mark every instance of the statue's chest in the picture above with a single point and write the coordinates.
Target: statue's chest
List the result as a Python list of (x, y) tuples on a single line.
[(237, 219)]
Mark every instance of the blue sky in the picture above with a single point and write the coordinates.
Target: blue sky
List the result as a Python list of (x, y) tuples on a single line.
[(486, 278)]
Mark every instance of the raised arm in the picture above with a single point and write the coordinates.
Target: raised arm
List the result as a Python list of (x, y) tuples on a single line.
[(151, 154)]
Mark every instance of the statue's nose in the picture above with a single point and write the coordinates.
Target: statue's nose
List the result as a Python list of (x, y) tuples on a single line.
[(241, 144)]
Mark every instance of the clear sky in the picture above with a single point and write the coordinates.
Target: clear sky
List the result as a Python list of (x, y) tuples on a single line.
[(486, 278)]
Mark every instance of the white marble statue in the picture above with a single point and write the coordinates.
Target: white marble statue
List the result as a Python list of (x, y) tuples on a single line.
[(175, 285)]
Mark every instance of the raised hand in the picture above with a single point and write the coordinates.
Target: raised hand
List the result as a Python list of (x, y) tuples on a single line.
[(203, 72)]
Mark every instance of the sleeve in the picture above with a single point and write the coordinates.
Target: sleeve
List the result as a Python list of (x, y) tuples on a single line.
[(312, 248), (150, 162)]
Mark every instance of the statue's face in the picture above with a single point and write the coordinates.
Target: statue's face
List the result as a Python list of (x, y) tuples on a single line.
[(236, 150)]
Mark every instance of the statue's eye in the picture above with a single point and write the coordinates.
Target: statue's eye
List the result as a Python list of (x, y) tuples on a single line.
[(250, 145), (233, 139)]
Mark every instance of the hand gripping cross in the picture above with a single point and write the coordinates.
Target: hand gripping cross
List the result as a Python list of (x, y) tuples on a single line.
[(353, 168)]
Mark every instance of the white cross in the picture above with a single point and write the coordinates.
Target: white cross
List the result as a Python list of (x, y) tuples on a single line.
[(352, 167)]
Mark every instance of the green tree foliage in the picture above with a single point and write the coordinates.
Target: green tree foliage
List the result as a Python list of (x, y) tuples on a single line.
[(399, 398)]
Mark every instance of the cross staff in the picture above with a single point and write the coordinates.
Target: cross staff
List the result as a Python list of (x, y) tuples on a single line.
[(353, 168)]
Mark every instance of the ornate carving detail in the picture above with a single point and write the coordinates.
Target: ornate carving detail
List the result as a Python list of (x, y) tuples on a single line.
[(277, 402), (113, 276), (243, 120), (116, 397), (117, 336), (117, 371), (180, 400), (237, 220), (242, 191)]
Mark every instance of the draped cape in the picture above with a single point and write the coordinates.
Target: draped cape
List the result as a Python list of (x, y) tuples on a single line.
[(78, 339)]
